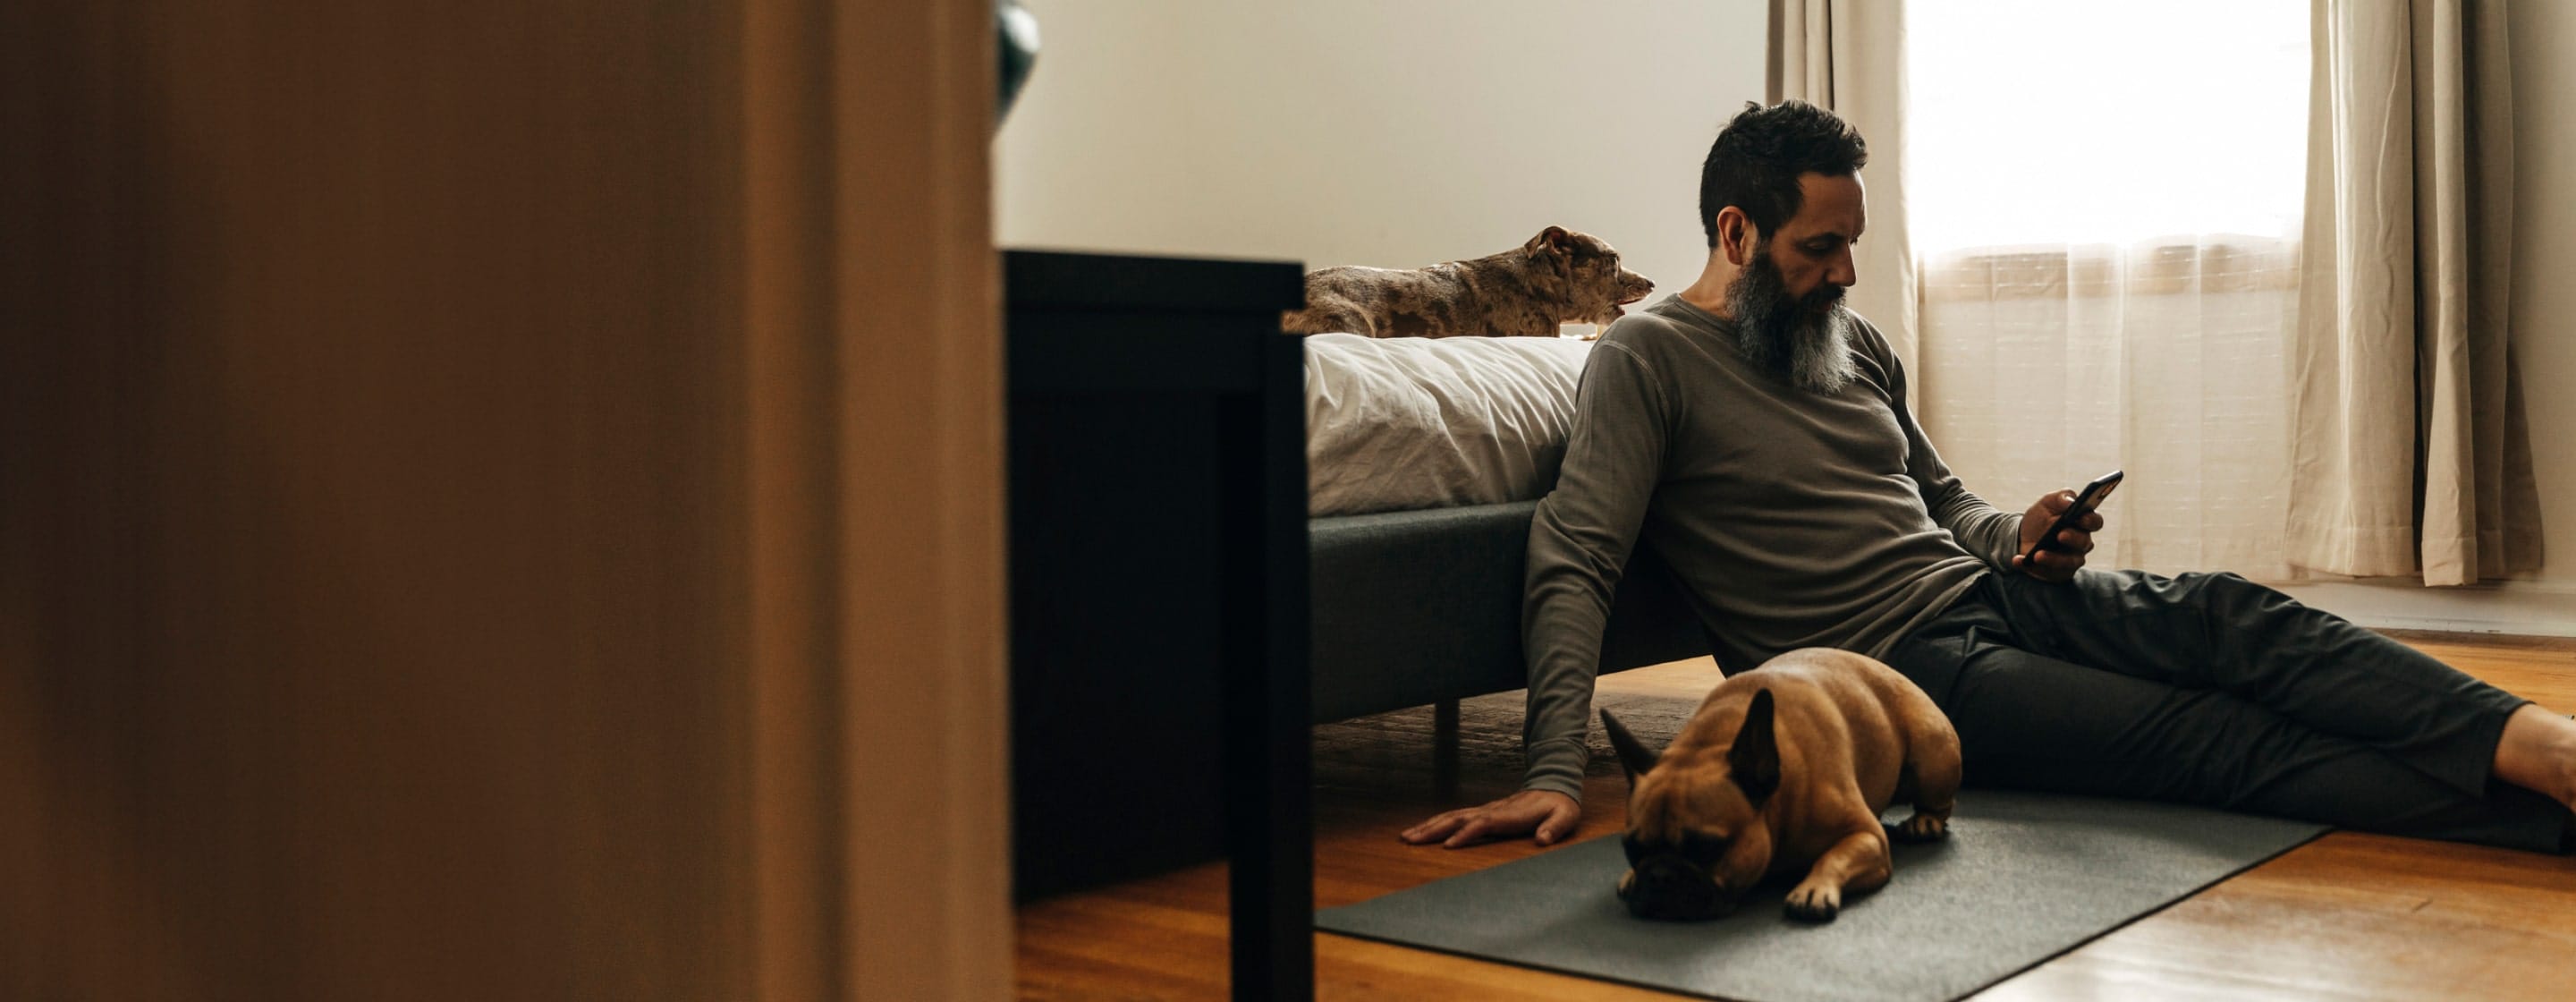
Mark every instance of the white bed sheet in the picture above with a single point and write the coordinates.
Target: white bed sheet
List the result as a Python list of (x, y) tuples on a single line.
[(1403, 423)]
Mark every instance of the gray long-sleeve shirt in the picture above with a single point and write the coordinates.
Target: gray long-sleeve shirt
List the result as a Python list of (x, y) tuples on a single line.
[(1793, 519)]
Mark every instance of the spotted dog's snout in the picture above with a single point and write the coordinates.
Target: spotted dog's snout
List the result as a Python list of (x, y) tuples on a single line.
[(1633, 286)]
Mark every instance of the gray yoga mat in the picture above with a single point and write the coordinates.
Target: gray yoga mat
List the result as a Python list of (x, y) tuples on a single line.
[(2022, 878)]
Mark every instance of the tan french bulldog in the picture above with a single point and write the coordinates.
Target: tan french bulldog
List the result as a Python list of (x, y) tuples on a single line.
[(1784, 770)]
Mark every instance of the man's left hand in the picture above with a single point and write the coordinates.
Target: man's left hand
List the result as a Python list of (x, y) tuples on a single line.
[(2073, 542)]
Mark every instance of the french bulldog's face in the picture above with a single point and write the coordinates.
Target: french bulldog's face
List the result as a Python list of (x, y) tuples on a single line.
[(1595, 284), (1695, 853), (1697, 839)]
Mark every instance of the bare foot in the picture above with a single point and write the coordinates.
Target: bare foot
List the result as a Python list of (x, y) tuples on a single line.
[(2538, 752)]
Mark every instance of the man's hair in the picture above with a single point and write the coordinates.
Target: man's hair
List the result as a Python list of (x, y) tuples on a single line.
[(1756, 161)]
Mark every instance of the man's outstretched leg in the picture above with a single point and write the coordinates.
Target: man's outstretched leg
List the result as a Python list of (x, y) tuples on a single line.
[(2220, 631), (2027, 721), (2030, 720)]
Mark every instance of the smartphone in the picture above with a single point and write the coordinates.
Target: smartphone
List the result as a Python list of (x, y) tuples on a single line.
[(2086, 500)]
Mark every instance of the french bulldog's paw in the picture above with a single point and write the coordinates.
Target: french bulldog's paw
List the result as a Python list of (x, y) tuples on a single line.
[(1921, 828), (1815, 902)]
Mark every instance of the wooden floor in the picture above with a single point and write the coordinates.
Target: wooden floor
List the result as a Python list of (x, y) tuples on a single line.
[(2345, 917)]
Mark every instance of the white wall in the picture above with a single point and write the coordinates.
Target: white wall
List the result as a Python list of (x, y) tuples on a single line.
[(1393, 134), (2544, 337)]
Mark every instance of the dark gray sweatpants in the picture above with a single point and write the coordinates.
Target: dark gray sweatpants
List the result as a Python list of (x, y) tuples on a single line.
[(2210, 689)]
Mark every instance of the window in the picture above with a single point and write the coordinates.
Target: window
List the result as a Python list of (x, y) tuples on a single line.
[(2048, 122), (2105, 202)]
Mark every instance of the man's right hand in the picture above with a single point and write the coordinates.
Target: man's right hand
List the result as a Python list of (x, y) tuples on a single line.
[(1551, 815)]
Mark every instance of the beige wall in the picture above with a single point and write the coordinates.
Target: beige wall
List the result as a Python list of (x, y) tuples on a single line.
[(1363, 132)]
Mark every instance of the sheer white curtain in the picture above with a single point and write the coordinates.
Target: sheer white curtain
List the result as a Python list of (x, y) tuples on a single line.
[(2106, 201)]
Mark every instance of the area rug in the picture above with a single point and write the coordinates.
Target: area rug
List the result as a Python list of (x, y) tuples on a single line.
[(2023, 877)]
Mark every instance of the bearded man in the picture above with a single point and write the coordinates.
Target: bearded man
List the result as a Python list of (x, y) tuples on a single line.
[(1755, 433)]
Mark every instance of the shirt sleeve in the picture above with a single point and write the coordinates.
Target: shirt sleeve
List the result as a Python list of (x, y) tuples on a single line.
[(1579, 542), (1992, 534)]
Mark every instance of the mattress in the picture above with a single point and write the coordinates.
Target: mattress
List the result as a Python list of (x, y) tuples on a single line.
[(1396, 424)]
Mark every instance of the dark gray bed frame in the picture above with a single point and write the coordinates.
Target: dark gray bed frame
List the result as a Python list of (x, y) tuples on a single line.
[(1416, 607)]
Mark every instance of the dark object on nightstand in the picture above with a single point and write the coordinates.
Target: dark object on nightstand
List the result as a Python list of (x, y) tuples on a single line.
[(1158, 565)]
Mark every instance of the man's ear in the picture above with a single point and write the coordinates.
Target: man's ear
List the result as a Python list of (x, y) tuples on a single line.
[(1736, 235), (1633, 755), (1754, 760)]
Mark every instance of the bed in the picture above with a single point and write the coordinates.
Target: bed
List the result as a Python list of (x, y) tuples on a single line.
[(1425, 460), (1185, 601)]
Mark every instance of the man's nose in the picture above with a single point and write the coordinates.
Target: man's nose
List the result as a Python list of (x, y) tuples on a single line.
[(1842, 271)]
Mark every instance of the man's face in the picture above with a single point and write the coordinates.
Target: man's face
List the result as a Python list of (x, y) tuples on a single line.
[(1787, 299), (1814, 247)]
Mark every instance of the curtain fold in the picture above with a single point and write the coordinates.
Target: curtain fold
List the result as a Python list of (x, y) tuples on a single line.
[(2405, 297), (1848, 57)]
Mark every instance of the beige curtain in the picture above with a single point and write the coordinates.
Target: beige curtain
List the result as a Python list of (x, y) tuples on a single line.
[(2404, 298), (1848, 57)]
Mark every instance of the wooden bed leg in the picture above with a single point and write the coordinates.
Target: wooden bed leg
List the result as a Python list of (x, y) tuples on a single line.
[(1444, 747)]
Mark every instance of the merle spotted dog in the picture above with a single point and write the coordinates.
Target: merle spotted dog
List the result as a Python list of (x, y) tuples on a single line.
[(1559, 276)]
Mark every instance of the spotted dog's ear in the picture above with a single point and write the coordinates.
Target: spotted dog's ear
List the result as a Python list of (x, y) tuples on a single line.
[(1551, 238), (1633, 756)]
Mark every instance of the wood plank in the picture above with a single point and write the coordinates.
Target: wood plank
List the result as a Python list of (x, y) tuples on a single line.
[(2349, 916)]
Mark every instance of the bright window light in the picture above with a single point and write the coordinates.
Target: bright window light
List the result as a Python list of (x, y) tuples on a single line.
[(2049, 121)]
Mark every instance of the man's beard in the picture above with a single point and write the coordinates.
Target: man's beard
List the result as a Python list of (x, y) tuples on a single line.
[(1803, 339)]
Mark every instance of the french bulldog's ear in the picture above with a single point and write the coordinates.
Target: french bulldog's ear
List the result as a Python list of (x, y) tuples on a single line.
[(1633, 756), (1754, 761)]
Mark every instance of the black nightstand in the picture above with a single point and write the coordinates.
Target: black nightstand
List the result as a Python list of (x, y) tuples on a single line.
[(1159, 587)]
